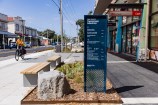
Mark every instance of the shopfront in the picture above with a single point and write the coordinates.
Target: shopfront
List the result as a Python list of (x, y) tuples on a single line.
[(130, 34), (112, 40), (153, 33)]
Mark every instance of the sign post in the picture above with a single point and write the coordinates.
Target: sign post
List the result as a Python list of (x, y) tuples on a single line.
[(95, 53)]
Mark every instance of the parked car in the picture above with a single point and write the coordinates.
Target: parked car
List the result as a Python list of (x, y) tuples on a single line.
[(28, 45), (53, 44), (13, 45)]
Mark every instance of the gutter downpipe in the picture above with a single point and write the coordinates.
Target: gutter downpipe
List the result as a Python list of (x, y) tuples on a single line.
[(147, 31)]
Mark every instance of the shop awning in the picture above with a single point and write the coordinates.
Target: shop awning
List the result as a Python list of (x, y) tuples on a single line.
[(8, 34), (101, 6), (126, 6)]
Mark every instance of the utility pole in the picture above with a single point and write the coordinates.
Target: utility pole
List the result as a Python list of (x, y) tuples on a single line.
[(61, 25), (78, 40)]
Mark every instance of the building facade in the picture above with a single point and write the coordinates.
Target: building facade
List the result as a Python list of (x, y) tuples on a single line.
[(3, 27), (3, 22), (153, 30), (31, 36), (16, 25), (134, 35), (5, 36)]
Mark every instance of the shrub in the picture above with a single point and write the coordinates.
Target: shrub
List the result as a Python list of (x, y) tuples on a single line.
[(73, 71)]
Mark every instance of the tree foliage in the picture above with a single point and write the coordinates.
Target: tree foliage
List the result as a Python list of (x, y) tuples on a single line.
[(52, 35), (80, 22), (90, 13)]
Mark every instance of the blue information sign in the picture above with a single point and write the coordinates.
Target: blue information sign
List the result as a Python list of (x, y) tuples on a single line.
[(95, 53)]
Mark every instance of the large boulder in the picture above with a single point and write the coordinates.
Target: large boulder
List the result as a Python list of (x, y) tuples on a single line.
[(52, 85)]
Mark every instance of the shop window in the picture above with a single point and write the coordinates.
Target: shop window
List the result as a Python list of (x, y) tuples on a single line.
[(154, 32), (154, 6), (17, 27)]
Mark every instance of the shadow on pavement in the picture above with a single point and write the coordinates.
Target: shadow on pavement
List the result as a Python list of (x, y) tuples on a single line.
[(29, 58), (148, 65), (127, 88)]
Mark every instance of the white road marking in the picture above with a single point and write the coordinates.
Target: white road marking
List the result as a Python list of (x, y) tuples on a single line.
[(141, 100)]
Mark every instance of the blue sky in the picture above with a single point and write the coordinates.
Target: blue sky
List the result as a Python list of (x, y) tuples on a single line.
[(43, 14)]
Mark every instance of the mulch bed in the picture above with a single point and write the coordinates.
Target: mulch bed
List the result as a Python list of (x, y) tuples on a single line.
[(77, 96)]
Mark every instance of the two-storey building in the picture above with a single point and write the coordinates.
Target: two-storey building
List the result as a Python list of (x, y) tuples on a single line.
[(16, 25), (5, 36)]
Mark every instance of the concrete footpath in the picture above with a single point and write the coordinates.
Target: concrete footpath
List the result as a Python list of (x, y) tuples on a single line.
[(11, 81)]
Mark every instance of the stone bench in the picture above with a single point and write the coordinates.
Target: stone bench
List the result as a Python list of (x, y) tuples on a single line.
[(30, 75), (54, 61)]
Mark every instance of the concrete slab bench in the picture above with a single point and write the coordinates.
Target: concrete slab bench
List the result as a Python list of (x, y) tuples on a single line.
[(54, 61), (30, 75)]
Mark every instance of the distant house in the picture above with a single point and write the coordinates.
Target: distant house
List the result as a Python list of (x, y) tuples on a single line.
[(43, 41), (31, 36)]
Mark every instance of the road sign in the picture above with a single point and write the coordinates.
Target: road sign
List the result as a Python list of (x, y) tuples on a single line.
[(125, 13), (95, 53)]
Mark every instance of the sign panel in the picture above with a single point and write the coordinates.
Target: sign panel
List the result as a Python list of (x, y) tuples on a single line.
[(136, 13), (125, 13), (95, 54)]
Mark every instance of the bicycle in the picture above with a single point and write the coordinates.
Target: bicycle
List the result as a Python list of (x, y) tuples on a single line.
[(19, 53)]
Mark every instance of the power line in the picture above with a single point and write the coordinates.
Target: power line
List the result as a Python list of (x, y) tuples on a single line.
[(55, 4), (68, 3), (63, 13), (69, 14), (68, 19), (72, 8)]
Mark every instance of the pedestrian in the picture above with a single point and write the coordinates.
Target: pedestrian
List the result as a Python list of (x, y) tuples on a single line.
[(10, 44)]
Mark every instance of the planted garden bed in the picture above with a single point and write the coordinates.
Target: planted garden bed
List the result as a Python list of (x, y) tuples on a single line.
[(74, 74)]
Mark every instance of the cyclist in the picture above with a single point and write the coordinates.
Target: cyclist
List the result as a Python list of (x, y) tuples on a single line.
[(20, 44)]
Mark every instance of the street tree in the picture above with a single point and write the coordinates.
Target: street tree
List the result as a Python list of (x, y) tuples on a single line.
[(80, 23)]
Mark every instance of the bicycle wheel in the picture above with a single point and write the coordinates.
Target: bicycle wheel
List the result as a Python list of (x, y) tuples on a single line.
[(17, 55), (22, 56)]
